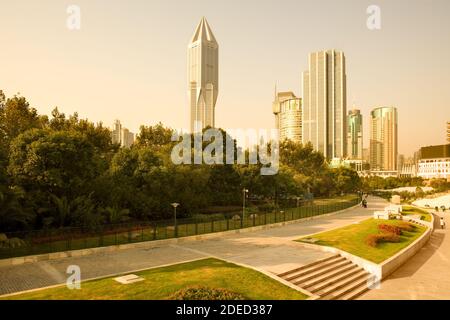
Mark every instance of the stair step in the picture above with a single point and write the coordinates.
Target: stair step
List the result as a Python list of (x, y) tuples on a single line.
[(315, 268), (282, 275), (321, 272), (356, 293), (347, 289), (344, 283), (332, 278)]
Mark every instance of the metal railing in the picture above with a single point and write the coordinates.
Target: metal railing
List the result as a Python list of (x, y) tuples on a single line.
[(48, 241)]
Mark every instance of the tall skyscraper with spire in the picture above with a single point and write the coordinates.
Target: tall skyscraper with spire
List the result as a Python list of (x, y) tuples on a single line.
[(203, 76), (325, 103)]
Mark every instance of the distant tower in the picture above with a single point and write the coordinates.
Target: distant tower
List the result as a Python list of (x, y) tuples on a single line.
[(354, 135), (203, 76), (121, 135), (383, 139), (448, 132), (116, 132), (287, 109)]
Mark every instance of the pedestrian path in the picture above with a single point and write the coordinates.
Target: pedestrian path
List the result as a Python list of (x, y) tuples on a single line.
[(270, 250)]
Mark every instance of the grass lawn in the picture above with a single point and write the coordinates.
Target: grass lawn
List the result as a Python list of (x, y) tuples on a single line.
[(352, 239), (161, 283), (347, 197), (410, 210)]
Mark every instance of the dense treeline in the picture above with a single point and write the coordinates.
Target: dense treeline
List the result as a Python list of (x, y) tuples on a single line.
[(378, 183), (370, 184), (64, 171), (384, 187)]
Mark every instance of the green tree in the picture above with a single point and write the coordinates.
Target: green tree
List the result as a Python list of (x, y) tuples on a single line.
[(154, 136), (310, 166), (60, 162), (96, 134), (16, 117), (49, 165), (346, 180), (116, 215)]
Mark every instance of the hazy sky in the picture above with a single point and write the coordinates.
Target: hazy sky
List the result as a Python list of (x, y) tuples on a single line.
[(128, 61)]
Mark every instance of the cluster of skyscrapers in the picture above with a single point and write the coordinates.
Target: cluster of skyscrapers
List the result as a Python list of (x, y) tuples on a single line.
[(121, 135), (320, 117)]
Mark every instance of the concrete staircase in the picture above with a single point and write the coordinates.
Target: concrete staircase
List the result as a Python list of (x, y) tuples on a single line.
[(332, 278)]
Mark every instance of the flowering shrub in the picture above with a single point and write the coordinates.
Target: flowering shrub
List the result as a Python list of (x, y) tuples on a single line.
[(390, 229), (204, 293), (374, 239)]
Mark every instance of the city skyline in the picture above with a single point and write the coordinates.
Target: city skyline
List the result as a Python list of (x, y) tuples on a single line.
[(73, 64)]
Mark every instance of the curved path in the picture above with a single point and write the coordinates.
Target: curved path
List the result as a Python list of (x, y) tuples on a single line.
[(425, 276), (271, 251)]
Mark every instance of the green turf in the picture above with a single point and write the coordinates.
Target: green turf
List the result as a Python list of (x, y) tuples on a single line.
[(161, 283), (352, 239)]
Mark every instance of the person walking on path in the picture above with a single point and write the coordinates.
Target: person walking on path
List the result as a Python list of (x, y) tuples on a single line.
[(364, 203), (442, 223)]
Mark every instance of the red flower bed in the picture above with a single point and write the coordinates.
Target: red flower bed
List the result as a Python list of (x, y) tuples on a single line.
[(390, 229), (374, 239)]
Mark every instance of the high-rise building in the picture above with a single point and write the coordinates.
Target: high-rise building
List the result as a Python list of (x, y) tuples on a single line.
[(325, 103), (287, 109), (116, 132), (127, 138), (448, 131), (355, 135), (383, 139), (203, 76), (366, 155), (121, 135)]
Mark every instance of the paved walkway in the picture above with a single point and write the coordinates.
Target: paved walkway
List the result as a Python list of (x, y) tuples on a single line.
[(270, 250), (425, 276)]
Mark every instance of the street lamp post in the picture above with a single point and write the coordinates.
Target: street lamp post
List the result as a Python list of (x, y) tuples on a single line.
[(175, 205), (244, 194)]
